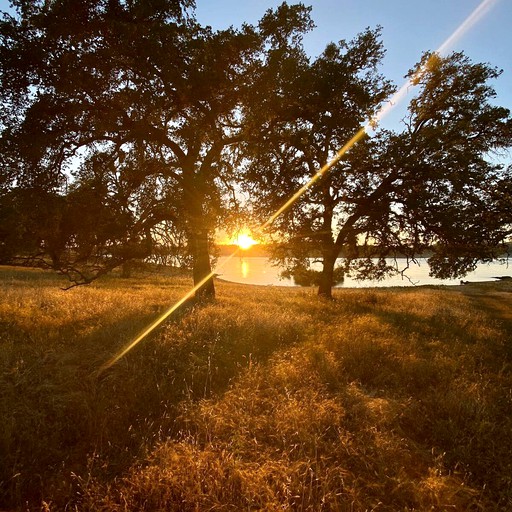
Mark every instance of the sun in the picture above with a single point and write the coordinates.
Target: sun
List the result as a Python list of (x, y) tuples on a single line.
[(245, 241)]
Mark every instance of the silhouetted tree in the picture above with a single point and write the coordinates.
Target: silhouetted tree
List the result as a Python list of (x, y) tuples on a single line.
[(430, 187), (313, 110), (30, 225), (142, 93), (74, 83)]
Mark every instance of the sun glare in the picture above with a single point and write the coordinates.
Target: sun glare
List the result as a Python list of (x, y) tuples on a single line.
[(245, 241)]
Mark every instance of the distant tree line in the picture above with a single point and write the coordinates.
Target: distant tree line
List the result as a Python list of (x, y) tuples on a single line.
[(128, 132)]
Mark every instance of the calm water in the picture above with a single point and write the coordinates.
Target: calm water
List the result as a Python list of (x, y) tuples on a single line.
[(259, 271)]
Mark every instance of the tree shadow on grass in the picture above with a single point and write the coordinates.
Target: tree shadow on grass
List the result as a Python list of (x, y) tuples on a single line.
[(71, 427), (66, 419), (451, 368)]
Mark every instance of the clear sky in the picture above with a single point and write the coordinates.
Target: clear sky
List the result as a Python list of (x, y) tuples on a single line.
[(410, 27)]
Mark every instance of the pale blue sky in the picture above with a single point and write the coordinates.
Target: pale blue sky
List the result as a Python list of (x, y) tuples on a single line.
[(409, 28)]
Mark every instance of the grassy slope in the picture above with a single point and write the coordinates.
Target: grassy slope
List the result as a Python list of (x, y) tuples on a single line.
[(267, 399)]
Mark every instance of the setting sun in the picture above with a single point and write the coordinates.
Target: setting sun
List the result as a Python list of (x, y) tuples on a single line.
[(245, 241)]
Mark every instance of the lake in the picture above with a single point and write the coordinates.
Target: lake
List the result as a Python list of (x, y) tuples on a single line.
[(259, 271)]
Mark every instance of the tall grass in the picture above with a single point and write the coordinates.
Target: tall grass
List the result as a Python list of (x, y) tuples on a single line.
[(267, 399)]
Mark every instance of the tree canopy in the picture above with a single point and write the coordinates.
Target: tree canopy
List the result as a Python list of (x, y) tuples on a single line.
[(132, 111), (126, 125), (429, 189)]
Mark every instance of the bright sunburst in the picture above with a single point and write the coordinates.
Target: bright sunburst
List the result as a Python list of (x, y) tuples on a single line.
[(245, 241)]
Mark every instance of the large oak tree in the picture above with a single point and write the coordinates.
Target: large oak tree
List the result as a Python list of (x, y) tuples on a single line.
[(429, 188), (133, 111)]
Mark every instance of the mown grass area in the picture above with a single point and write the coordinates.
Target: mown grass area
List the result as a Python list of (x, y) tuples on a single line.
[(267, 399)]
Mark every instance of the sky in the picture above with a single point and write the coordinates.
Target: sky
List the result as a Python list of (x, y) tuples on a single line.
[(409, 27)]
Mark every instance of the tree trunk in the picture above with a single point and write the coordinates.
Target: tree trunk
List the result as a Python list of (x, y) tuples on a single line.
[(194, 194), (327, 276), (201, 267), (329, 251)]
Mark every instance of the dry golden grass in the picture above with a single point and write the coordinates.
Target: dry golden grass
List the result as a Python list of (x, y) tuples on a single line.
[(268, 399)]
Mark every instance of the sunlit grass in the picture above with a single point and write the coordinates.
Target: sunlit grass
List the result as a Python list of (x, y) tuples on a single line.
[(268, 399)]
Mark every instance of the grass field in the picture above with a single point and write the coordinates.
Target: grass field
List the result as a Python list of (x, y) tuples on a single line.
[(267, 399)]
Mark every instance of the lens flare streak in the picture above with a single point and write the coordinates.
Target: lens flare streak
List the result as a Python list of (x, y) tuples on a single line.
[(164, 316), (315, 178), (482, 9)]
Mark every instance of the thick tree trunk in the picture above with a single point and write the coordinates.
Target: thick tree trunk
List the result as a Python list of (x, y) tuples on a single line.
[(202, 267), (329, 252), (55, 260), (327, 276), (195, 196)]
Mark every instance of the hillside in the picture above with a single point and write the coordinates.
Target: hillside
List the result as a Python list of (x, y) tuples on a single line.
[(258, 250)]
